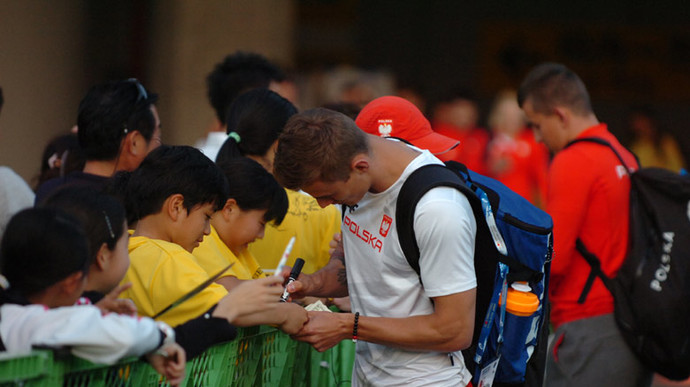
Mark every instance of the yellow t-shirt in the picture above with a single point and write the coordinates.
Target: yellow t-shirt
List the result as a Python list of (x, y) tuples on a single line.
[(161, 272), (667, 156), (313, 228), (214, 255)]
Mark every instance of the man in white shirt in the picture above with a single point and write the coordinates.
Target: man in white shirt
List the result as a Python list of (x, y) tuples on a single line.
[(406, 333)]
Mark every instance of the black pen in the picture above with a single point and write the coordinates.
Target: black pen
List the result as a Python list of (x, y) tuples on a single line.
[(294, 273)]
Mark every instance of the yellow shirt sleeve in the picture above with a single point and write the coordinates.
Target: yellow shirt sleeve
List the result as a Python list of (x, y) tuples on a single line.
[(161, 272)]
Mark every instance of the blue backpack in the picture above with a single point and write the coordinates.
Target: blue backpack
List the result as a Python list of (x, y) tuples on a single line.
[(513, 243)]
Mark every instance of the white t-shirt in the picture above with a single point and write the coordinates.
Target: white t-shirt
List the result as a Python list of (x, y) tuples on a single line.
[(15, 195), (382, 284), (92, 336), (211, 144)]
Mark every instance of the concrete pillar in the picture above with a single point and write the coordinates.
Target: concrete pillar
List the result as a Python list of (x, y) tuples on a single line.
[(189, 38), (41, 63)]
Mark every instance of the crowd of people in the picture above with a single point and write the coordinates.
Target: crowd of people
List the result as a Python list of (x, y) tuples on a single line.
[(121, 227)]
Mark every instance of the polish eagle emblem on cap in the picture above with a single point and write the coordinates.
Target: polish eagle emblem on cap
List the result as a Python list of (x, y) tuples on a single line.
[(385, 128)]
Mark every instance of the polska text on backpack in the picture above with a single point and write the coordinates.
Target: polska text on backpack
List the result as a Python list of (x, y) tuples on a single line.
[(652, 288)]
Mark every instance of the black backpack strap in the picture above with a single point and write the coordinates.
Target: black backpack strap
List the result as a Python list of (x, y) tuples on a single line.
[(414, 187), (601, 141), (436, 175), (595, 266)]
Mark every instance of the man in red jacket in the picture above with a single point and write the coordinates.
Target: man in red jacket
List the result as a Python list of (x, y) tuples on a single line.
[(588, 198)]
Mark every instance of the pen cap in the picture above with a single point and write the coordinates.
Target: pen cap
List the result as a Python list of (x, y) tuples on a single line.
[(299, 263)]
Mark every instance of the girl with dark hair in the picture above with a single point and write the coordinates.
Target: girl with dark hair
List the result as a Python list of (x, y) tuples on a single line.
[(254, 122), (103, 218), (44, 256), (255, 198)]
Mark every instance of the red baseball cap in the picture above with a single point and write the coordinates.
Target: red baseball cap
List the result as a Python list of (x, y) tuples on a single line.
[(397, 117)]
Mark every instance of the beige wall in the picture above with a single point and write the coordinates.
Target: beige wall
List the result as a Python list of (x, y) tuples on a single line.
[(190, 39), (42, 57), (40, 71)]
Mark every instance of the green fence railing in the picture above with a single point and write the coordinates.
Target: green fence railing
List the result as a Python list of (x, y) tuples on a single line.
[(259, 356)]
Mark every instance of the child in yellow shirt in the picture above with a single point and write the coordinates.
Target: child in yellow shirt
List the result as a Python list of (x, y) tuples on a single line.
[(255, 198), (172, 196), (254, 121)]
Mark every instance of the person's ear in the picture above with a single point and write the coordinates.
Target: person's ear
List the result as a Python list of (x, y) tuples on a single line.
[(134, 150), (174, 206), (127, 143), (562, 114), (228, 209), (360, 163), (138, 145), (102, 257), (73, 283)]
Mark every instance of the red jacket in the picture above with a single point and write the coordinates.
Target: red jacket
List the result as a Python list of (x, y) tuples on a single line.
[(588, 198)]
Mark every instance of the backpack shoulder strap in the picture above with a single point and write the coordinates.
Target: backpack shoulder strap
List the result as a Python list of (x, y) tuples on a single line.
[(601, 141), (595, 271), (416, 185)]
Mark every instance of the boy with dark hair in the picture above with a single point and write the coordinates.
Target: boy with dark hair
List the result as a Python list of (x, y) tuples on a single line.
[(118, 126), (406, 333), (173, 195), (237, 73), (588, 199)]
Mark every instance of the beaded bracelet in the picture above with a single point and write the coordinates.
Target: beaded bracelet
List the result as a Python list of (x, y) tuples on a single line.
[(354, 329)]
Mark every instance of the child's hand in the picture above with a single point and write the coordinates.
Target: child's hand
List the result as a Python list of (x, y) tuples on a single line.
[(295, 318), (112, 304), (343, 303), (336, 247), (250, 297), (171, 365)]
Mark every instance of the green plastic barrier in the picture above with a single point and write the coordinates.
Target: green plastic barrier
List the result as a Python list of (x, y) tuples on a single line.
[(333, 367), (259, 356), (34, 369)]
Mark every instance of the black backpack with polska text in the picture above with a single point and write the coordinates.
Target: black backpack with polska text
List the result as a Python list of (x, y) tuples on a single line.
[(652, 288)]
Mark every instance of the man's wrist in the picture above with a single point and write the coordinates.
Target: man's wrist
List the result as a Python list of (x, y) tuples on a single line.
[(310, 284)]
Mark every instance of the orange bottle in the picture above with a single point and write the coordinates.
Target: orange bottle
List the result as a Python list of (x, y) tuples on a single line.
[(520, 329), (520, 300)]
